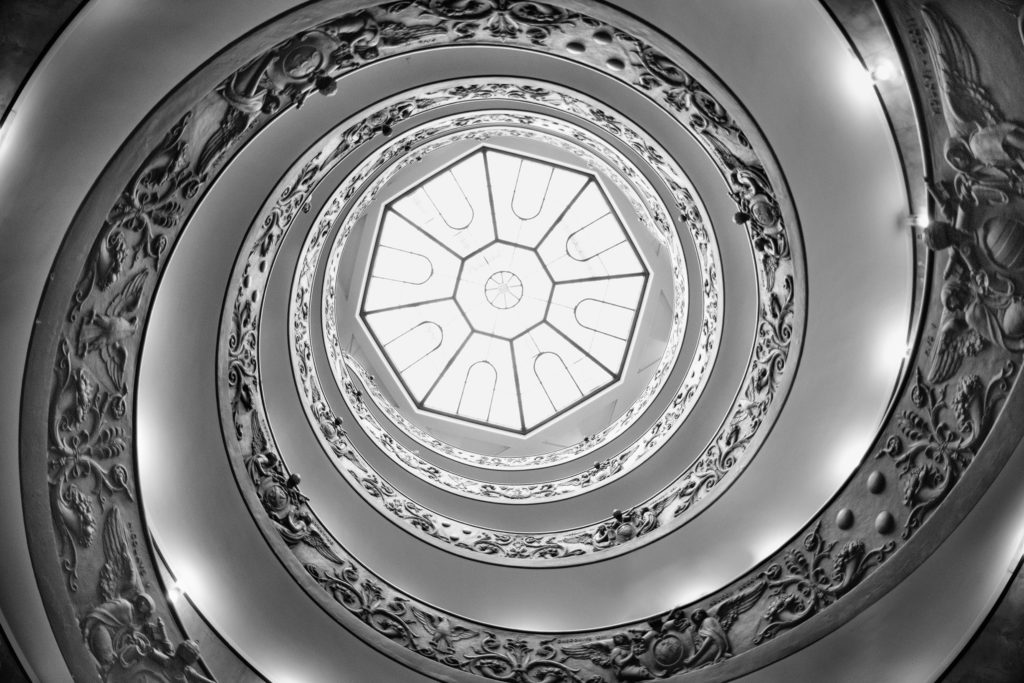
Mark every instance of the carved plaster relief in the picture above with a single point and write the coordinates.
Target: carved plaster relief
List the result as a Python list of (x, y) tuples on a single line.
[(89, 445)]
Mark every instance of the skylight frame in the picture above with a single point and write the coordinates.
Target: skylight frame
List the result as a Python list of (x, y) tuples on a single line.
[(643, 274)]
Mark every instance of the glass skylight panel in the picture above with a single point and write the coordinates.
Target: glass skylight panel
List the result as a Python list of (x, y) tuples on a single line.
[(529, 196), (598, 314), (581, 246), (419, 340), (453, 207), (503, 290), (480, 384), (554, 374), (408, 267)]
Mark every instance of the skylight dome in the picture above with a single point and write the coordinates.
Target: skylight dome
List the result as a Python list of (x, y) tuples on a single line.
[(503, 290)]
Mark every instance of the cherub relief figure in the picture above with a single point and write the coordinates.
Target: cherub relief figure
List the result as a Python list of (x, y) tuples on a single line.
[(621, 656), (984, 208), (123, 632)]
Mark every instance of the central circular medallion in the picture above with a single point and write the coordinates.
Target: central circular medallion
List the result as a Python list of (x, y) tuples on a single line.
[(503, 290)]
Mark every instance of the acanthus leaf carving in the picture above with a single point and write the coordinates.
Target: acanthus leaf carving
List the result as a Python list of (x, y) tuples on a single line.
[(150, 205), (811, 578), (929, 452), (497, 19), (145, 222)]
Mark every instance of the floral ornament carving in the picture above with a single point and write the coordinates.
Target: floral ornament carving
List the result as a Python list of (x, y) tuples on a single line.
[(809, 579), (499, 19), (937, 438), (930, 451), (672, 643), (279, 493), (345, 367), (137, 232), (518, 661), (625, 526), (151, 205), (531, 126), (701, 479), (83, 473), (775, 336)]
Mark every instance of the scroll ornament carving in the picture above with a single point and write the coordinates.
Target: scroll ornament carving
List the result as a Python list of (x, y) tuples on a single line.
[(672, 643), (807, 579), (929, 452), (498, 19), (982, 307), (801, 585), (90, 413), (624, 526), (762, 381), (89, 426), (90, 410), (532, 126)]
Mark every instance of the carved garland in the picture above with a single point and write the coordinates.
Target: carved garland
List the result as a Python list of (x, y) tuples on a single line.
[(345, 367), (502, 545), (522, 125), (90, 411), (244, 327), (104, 316), (441, 529)]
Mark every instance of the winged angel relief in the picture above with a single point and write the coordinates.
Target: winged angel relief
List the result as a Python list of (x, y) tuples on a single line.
[(984, 204), (123, 633), (981, 296), (671, 644)]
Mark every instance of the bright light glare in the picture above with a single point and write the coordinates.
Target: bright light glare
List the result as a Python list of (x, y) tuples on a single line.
[(922, 220), (891, 349), (175, 592), (857, 84), (883, 71), (847, 450), (185, 583), (768, 543)]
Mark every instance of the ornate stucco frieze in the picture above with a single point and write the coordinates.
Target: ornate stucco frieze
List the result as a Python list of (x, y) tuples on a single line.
[(942, 418)]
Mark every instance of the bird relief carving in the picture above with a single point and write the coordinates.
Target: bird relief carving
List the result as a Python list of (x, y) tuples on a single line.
[(109, 332), (983, 205)]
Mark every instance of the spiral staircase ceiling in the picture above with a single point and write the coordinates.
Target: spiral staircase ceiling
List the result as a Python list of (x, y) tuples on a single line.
[(289, 238)]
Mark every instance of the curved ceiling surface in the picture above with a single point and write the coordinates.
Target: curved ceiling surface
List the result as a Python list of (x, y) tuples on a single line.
[(610, 598), (272, 483)]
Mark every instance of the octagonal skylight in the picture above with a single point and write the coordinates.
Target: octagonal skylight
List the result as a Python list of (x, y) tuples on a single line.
[(503, 290)]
